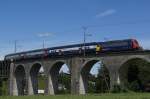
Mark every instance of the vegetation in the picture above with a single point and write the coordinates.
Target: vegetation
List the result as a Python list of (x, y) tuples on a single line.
[(102, 80), (41, 81), (64, 79), (99, 83), (3, 86), (136, 79), (136, 75), (94, 96)]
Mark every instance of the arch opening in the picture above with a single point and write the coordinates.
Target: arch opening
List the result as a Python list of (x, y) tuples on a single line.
[(134, 75), (38, 78), (94, 78), (60, 77), (20, 80)]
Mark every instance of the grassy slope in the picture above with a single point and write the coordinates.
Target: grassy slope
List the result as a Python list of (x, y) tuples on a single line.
[(103, 96)]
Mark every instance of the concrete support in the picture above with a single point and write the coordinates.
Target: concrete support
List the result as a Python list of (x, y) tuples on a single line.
[(82, 86), (114, 79), (33, 78), (52, 81), (13, 90), (30, 87), (113, 64), (75, 65), (84, 72), (50, 86)]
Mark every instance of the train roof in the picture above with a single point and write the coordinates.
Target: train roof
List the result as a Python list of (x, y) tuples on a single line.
[(67, 46)]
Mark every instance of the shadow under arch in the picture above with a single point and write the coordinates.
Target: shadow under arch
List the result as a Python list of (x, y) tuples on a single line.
[(20, 79), (34, 71), (133, 73), (54, 75), (84, 76)]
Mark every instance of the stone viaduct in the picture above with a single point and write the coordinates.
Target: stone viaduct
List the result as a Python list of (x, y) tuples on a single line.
[(79, 68)]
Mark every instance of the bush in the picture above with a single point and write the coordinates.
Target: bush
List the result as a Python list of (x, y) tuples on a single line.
[(116, 89), (134, 86), (119, 89)]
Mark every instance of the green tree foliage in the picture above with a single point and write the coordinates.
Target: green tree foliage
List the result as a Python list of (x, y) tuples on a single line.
[(65, 80), (0, 87), (102, 80), (137, 75), (99, 83), (135, 86), (3, 86), (91, 83)]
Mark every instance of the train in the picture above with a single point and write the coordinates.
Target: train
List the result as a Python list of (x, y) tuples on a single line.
[(78, 49)]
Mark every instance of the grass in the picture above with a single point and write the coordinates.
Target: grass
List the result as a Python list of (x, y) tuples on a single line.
[(94, 96)]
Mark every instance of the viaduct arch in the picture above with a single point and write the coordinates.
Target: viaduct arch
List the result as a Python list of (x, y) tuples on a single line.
[(79, 68), (52, 76), (84, 73), (20, 79), (132, 67)]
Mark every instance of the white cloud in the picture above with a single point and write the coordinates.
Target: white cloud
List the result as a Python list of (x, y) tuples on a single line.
[(44, 34), (106, 13)]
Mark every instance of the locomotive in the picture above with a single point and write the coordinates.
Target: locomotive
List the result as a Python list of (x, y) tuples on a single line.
[(79, 49)]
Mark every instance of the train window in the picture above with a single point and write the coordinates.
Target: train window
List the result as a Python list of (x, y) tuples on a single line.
[(7, 57), (112, 44), (11, 56), (56, 50), (50, 51), (60, 52), (69, 49), (87, 47), (35, 53), (91, 47), (22, 55), (80, 50)]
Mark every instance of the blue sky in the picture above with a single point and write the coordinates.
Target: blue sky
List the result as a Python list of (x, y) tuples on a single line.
[(60, 22)]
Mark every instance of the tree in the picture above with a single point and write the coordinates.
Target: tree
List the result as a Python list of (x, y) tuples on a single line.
[(91, 83), (65, 80), (137, 74), (102, 81)]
